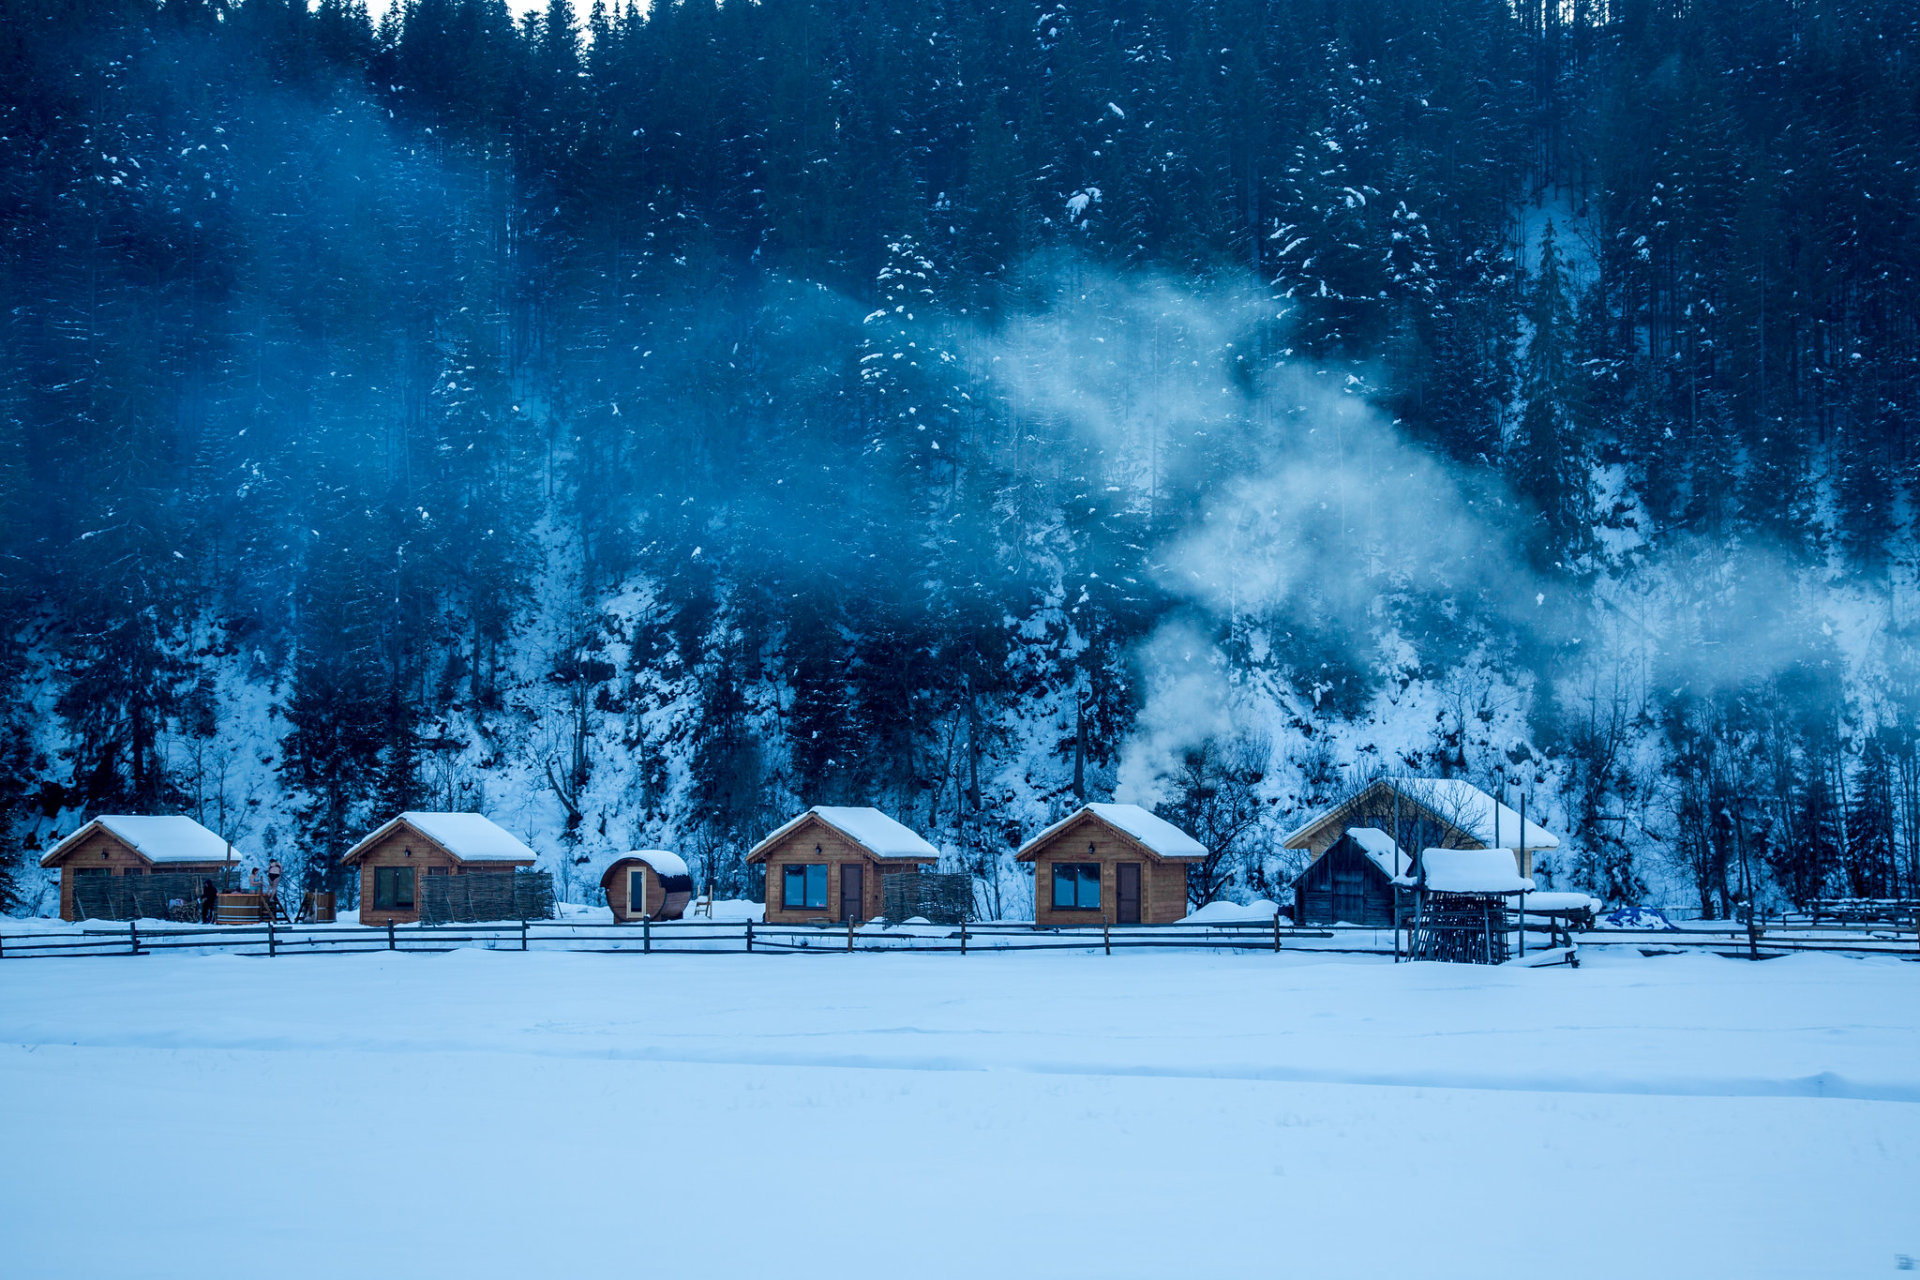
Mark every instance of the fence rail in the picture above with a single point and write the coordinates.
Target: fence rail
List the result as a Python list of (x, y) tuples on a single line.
[(698, 937)]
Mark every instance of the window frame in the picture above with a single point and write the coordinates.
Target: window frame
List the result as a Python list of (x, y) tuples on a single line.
[(805, 870), (391, 877), (1079, 879), (636, 879)]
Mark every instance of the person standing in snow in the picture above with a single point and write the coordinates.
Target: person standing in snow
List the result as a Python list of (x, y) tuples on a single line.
[(209, 901)]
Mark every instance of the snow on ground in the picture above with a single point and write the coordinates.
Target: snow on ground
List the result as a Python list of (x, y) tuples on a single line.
[(1062, 1115)]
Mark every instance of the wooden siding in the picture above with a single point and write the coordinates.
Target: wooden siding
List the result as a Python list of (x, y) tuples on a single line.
[(1163, 881), (1374, 807), (105, 850), (836, 850)]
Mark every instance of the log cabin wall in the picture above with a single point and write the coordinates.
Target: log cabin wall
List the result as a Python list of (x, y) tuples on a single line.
[(404, 847), (1163, 882), (106, 853), (836, 851)]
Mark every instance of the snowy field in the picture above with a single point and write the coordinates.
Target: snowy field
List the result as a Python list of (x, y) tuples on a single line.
[(1155, 1114)]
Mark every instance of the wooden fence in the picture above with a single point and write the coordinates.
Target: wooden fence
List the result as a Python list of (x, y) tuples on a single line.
[(743, 937), (492, 895)]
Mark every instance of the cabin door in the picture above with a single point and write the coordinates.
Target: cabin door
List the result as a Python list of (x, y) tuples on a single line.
[(1349, 890), (853, 896), (1126, 885)]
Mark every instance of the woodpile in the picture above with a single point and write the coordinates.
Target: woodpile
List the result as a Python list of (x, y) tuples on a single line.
[(492, 895)]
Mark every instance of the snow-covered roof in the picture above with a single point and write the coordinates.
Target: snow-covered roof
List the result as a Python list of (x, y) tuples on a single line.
[(598, 864), (663, 862), (1380, 850), (869, 828), (1454, 801), (1470, 871), (470, 837), (1378, 847), (1155, 834), (159, 839)]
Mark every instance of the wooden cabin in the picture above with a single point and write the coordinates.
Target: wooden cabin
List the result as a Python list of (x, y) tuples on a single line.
[(392, 859), (827, 864), (1110, 864), (1423, 813), (122, 845), (1352, 882), (1463, 897), (647, 884)]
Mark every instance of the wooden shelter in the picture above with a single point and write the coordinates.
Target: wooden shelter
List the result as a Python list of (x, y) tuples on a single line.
[(1426, 813), (123, 845), (647, 884), (1110, 864), (828, 863), (1462, 897), (394, 858), (1352, 882)]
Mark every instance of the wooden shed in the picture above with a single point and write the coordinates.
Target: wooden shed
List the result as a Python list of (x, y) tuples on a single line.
[(124, 845), (827, 863), (1351, 882), (393, 859), (1422, 813), (647, 884), (1110, 864)]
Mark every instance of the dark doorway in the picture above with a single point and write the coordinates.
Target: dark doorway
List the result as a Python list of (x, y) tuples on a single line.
[(853, 883), (1126, 887)]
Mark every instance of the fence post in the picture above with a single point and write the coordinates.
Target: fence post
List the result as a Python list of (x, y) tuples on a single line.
[(1276, 928), (849, 933), (963, 935), (390, 945), (133, 937), (646, 935), (749, 937), (1106, 937), (523, 935), (272, 947)]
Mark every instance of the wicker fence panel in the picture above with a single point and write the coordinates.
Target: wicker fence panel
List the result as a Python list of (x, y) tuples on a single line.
[(939, 897), (490, 895), (166, 895)]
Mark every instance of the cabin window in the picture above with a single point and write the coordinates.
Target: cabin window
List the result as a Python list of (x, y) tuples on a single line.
[(636, 892), (805, 886), (393, 888), (1076, 886)]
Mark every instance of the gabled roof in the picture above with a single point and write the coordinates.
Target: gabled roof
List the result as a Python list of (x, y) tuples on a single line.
[(666, 865), (1378, 847), (871, 829), (1493, 871), (160, 839), (469, 837), (1154, 834), (1454, 801)]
